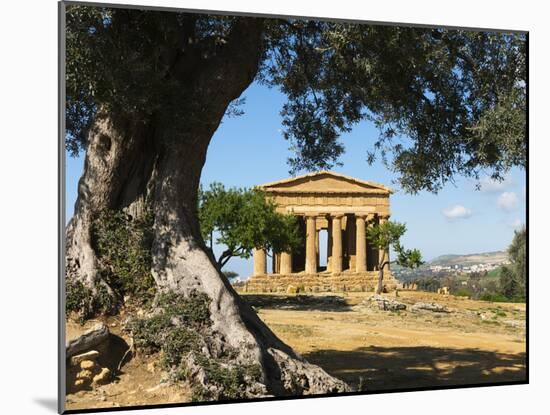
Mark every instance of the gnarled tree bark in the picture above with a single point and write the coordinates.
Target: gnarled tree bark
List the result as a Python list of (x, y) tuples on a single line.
[(132, 159)]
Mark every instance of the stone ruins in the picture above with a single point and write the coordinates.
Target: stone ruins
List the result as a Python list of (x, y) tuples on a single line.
[(344, 207)]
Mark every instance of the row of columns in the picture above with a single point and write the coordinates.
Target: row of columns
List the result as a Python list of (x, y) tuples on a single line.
[(311, 258)]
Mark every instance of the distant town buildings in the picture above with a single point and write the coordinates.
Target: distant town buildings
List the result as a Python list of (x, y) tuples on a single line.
[(440, 271), (467, 269)]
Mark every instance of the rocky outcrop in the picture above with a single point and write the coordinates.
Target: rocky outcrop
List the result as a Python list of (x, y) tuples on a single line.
[(88, 340), (434, 307), (385, 304)]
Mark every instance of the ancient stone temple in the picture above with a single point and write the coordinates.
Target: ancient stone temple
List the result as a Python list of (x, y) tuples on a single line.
[(343, 207)]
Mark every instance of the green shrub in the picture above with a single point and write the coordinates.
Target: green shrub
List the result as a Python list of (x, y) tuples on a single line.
[(463, 292), (173, 330), (495, 298), (177, 343), (123, 245), (231, 380), (83, 301), (149, 332), (78, 297), (193, 310)]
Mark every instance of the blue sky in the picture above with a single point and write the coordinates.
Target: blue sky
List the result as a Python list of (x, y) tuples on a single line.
[(250, 150)]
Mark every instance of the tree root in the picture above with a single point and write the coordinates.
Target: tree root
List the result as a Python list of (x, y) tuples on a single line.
[(194, 351)]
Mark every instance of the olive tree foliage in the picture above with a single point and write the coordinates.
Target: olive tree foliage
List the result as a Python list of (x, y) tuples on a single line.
[(388, 234), (244, 219), (447, 102)]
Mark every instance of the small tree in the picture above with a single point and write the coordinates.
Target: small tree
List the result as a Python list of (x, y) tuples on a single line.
[(512, 278), (243, 219), (509, 286), (386, 235)]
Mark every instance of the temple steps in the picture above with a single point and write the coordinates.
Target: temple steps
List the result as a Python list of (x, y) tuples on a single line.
[(320, 282)]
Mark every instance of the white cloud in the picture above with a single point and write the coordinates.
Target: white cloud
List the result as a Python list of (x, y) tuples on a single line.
[(508, 201), (489, 185), (457, 212)]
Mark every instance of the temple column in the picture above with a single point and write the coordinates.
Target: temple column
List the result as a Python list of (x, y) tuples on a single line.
[(329, 244), (317, 256), (260, 264), (370, 252), (383, 255), (311, 254), (286, 263), (336, 262), (275, 262), (360, 244)]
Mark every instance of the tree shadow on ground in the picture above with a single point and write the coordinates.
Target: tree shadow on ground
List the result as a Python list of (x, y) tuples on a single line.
[(298, 302), (114, 354), (383, 368)]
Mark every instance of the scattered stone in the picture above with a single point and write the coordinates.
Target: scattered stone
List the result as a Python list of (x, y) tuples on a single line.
[(103, 377), (151, 367), (79, 383), (515, 323), (91, 355), (436, 308), (88, 340), (84, 374), (443, 290), (386, 304), (87, 364), (156, 388)]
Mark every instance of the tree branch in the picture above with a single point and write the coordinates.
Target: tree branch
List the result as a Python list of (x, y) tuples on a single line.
[(224, 257), (383, 264)]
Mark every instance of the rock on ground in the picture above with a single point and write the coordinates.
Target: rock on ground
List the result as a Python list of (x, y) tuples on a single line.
[(77, 359), (436, 308), (88, 340), (386, 304)]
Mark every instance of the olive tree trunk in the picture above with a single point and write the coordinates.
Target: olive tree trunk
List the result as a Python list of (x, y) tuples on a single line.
[(130, 159)]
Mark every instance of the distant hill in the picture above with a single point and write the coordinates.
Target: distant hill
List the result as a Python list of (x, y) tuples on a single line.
[(496, 257)]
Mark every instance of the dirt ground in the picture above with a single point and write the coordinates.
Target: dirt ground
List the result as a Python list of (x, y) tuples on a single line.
[(476, 342), (139, 382)]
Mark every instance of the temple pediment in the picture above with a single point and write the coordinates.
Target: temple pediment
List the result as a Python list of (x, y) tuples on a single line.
[(325, 182)]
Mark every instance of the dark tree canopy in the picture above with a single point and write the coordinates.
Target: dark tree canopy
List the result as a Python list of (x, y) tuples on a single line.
[(446, 102)]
